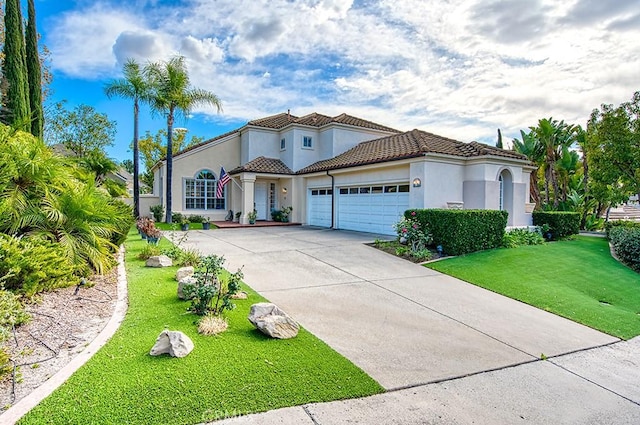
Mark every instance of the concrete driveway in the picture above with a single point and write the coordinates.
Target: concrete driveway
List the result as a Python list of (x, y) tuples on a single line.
[(417, 332)]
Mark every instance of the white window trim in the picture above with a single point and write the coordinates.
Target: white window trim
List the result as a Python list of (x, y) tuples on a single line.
[(310, 139)]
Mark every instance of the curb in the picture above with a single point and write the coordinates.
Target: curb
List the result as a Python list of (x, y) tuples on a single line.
[(18, 410)]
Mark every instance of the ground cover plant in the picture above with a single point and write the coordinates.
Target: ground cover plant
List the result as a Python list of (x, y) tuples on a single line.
[(577, 279), (239, 372)]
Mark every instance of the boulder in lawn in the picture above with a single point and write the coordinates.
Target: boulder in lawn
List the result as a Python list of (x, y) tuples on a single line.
[(184, 272), (270, 320), (190, 280), (159, 261), (174, 343)]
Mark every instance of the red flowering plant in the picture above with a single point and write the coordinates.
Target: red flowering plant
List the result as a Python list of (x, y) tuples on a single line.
[(411, 233)]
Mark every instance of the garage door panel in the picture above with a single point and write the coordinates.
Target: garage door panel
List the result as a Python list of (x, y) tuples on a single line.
[(371, 209), (319, 207)]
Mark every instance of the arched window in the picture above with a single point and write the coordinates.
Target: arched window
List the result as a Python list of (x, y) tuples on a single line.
[(200, 192)]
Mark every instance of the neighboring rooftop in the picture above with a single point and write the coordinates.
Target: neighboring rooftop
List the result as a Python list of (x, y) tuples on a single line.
[(411, 144), (263, 165)]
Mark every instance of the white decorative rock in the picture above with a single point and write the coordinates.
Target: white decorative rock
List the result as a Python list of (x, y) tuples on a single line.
[(189, 280), (174, 343), (159, 261), (184, 272), (272, 321), (240, 296)]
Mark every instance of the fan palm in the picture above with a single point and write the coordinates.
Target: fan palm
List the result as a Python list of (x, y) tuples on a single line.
[(172, 94), (133, 86)]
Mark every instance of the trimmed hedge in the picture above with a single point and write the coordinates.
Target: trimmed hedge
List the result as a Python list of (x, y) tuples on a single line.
[(626, 243), (620, 223), (462, 231), (561, 223)]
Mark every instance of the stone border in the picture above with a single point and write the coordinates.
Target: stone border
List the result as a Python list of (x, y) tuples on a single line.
[(18, 410)]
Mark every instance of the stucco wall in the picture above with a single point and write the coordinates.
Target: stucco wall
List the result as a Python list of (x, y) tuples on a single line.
[(443, 183), (210, 157)]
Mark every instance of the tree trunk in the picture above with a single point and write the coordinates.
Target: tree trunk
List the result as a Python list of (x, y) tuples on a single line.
[(547, 178), (136, 160), (169, 162), (534, 192)]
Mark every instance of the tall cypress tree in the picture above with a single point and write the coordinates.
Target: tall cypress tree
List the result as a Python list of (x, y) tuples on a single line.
[(15, 69), (34, 73)]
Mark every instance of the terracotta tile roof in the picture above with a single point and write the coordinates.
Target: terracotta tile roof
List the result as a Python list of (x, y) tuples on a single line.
[(317, 120), (411, 144), (190, 148), (274, 121), (263, 165)]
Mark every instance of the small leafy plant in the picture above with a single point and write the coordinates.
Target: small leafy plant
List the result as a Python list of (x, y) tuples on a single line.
[(214, 287), (157, 211), (411, 233)]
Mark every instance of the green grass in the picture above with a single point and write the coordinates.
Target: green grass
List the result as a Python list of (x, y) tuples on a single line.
[(575, 279), (238, 372), (174, 226)]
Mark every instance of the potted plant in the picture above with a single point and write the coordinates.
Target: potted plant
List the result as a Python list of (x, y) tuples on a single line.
[(284, 214), (154, 236), (184, 224), (252, 216), (206, 223), (157, 211), (237, 218)]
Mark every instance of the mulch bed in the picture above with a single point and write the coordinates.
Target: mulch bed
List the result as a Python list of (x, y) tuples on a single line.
[(390, 247), (63, 322)]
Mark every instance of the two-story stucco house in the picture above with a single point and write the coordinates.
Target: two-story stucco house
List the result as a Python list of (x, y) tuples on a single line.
[(343, 172)]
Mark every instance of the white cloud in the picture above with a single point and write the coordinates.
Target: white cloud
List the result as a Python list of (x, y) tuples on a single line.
[(460, 68)]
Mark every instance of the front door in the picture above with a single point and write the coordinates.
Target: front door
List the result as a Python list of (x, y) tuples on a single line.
[(260, 200)]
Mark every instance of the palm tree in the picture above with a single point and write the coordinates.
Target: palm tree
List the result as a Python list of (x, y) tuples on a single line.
[(529, 146), (173, 94), (134, 86), (553, 135)]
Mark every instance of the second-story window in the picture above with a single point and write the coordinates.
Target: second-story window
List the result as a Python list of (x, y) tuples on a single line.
[(283, 144), (307, 142)]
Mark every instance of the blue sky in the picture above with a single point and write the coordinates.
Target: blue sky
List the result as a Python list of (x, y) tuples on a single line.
[(460, 69)]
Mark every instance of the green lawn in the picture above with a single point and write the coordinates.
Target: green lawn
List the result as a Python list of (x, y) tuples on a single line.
[(238, 372), (575, 279)]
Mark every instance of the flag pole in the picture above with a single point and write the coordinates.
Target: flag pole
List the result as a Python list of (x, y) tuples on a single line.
[(233, 180)]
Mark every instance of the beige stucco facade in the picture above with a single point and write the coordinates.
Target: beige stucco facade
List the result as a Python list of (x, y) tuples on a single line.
[(427, 181)]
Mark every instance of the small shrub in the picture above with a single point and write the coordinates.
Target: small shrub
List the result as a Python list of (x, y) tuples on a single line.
[(12, 313), (5, 362), (122, 225), (561, 223), (626, 243), (196, 219), (422, 255), (462, 231), (520, 237), (190, 257), (413, 233), (211, 294), (158, 212), (176, 217), (29, 266), (212, 325), (149, 251)]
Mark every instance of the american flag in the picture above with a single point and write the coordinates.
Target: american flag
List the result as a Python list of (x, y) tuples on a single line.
[(224, 179)]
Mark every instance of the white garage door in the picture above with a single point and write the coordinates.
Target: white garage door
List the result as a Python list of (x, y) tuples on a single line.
[(319, 208), (372, 208)]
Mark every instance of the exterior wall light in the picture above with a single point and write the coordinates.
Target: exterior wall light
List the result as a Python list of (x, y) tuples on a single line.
[(284, 190), (417, 182)]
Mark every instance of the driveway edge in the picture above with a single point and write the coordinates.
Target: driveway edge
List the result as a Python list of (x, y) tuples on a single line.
[(18, 410)]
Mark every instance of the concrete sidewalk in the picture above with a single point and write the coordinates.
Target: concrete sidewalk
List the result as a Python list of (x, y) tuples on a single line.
[(419, 333)]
